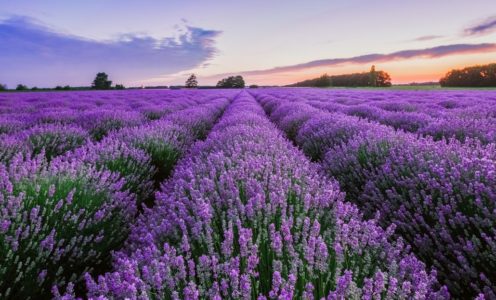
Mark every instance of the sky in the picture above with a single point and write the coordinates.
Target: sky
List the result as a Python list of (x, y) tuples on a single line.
[(158, 42)]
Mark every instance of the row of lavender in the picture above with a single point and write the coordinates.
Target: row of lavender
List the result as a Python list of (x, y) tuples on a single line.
[(441, 195), (90, 110), (66, 206), (247, 216), (440, 114), (59, 122)]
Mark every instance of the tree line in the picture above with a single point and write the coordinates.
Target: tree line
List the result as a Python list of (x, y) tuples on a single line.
[(474, 76), (231, 82), (102, 82), (372, 78), (477, 76)]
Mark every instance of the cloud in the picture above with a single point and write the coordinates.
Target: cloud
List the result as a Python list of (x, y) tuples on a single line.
[(483, 27), (32, 53), (427, 38), (435, 52)]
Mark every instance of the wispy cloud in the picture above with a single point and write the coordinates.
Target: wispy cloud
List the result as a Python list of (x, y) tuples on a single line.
[(435, 52), (427, 38), (483, 27), (35, 54)]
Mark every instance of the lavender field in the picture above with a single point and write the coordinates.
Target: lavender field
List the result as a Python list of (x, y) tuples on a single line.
[(282, 193)]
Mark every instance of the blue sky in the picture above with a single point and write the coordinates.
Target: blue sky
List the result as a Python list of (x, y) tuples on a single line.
[(47, 43)]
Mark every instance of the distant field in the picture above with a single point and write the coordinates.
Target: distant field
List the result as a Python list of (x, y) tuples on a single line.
[(438, 87), (419, 88)]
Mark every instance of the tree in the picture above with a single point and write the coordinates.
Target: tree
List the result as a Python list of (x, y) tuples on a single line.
[(475, 76), (192, 82), (119, 87), (101, 82), (21, 87), (323, 81), (373, 76), (232, 82), (3, 87), (382, 79)]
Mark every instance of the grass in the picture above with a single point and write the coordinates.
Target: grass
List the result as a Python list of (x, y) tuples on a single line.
[(420, 88), (438, 87)]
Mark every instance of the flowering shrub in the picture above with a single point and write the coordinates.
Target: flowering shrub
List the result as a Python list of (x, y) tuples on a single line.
[(353, 162), (10, 124), (166, 140), (411, 122), (462, 129), (442, 198), (365, 112), (100, 122), (58, 221), (199, 120), (52, 140), (324, 130), (10, 147), (134, 165), (291, 117), (56, 115), (163, 141)]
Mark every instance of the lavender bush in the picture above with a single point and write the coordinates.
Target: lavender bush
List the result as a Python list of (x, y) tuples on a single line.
[(163, 141), (10, 124), (442, 198), (324, 130), (58, 221), (199, 120), (52, 140), (462, 129), (10, 147), (407, 121), (167, 139), (100, 122), (134, 165)]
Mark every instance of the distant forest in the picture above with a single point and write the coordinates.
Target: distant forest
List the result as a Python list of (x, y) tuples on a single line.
[(372, 78), (475, 76)]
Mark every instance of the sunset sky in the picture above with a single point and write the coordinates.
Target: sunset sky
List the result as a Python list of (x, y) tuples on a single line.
[(158, 42)]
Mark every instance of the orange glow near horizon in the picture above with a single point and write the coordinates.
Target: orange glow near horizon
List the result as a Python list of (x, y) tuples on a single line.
[(401, 71)]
